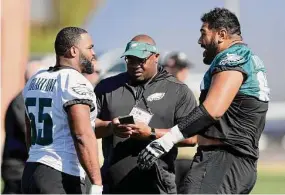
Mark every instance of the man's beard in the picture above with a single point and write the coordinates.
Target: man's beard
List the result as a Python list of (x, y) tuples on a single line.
[(87, 66), (211, 52)]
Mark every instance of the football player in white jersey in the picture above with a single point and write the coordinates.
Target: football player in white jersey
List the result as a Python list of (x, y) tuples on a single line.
[(60, 114)]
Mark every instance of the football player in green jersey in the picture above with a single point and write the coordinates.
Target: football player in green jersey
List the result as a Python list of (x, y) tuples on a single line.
[(231, 116)]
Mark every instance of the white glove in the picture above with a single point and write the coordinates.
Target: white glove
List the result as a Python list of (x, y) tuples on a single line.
[(96, 189), (157, 148)]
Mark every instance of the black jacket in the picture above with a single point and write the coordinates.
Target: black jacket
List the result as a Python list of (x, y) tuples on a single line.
[(167, 99)]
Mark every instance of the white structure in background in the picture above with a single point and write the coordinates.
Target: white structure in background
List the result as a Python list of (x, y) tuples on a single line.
[(234, 6)]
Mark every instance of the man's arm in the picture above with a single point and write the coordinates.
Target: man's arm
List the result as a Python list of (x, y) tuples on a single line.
[(184, 104), (224, 88), (225, 85), (191, 141), (143, 131), (103, 128), (85, 141), (107, 128)]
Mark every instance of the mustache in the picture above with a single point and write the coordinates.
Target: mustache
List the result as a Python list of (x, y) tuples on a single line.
[(94, 57)]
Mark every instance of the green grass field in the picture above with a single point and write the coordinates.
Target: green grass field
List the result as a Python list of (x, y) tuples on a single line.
[(270, 183)]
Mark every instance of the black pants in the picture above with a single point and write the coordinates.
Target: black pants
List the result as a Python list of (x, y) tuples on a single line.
[(182, 167), (219, 169), (12, 171), (42, 179), (154, 181)]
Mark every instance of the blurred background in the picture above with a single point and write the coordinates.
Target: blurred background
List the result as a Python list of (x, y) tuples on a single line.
[(29, 27)]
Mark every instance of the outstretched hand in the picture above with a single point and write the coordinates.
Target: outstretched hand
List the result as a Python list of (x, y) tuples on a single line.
[(150, 155)]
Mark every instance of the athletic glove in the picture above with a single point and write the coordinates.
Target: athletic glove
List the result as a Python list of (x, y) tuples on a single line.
[(157, 148), (96, 189)]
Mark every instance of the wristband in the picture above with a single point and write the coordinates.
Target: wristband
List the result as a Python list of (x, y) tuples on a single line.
[(96, 189), (199, 119), (152, 134)]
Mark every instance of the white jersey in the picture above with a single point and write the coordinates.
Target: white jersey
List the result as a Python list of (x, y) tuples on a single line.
[(46, 96)]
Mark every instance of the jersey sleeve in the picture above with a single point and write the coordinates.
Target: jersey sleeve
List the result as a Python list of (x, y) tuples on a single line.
[(76, 89), (232, 60)]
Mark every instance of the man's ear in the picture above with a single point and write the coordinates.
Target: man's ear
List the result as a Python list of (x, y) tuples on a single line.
[(223, 34), (73, 51)]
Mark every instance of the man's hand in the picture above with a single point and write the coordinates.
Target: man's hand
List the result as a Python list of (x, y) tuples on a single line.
[(120, 130), (157, 148), (150, 155), (140, 130), (96, 189)]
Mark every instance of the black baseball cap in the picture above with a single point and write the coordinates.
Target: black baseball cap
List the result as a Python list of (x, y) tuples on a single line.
[(177, 60)]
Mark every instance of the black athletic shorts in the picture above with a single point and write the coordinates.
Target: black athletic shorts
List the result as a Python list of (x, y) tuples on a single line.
[(157, 180), (219, 169), (42, 179)]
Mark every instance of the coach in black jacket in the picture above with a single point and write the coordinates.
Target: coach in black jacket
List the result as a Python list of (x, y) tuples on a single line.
[(156, 99)]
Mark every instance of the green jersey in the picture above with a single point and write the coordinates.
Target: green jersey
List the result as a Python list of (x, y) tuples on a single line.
[(242, 124), (240, 57)]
